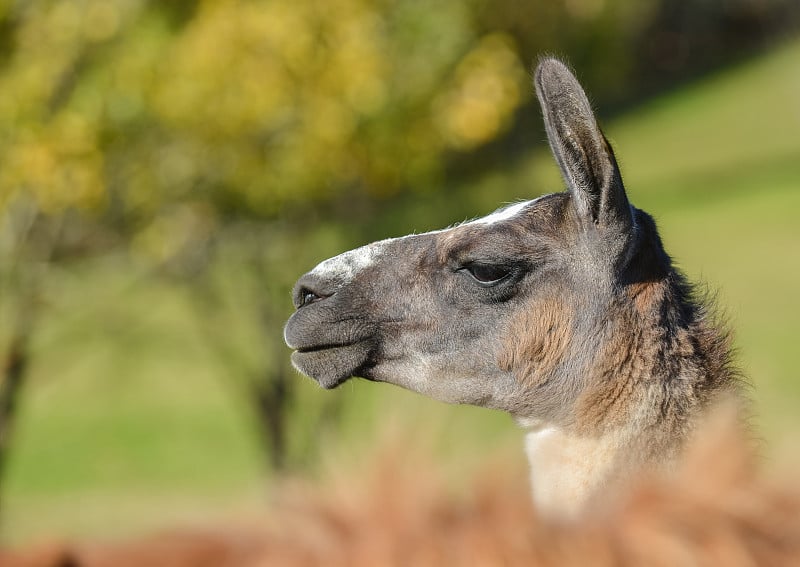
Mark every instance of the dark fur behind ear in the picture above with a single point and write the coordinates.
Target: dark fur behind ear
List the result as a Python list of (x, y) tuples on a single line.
[(584, 155)]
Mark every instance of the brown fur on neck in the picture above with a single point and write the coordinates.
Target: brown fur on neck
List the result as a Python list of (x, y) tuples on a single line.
[(666, 360)]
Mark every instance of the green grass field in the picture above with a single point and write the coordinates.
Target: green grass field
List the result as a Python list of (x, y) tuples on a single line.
[(130, 425)]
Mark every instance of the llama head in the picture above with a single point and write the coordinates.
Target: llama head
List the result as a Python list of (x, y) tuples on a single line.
[(509, 311)]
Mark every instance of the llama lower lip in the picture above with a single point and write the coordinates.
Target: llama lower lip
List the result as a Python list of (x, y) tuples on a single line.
[(331, 365)]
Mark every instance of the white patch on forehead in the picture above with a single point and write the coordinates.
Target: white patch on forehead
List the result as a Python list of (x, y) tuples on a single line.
[(344, 267), (505, 213), (347, 265)]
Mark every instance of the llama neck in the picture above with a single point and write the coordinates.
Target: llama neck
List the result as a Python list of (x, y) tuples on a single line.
[(650, 380), (567, 469)]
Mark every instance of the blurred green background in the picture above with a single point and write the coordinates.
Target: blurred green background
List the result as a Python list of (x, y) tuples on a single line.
[(168, 169)]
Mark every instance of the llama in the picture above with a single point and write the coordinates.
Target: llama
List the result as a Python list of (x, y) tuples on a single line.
[(564, 311)]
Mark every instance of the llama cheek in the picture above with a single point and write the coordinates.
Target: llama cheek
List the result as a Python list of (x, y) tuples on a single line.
[(536, 343)]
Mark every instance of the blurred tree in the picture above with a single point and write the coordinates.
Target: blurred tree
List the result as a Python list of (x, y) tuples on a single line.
[(177, 130)]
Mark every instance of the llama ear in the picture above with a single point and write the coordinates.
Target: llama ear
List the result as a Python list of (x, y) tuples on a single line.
[(584, 155)]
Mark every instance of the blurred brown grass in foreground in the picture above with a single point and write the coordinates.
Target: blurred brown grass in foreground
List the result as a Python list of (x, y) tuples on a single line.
[(717, 509)]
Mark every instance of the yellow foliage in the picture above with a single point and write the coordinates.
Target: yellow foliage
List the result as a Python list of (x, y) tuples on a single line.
[(485, 93), (60, 166), (170, 232), (249, 103), (101, 21)]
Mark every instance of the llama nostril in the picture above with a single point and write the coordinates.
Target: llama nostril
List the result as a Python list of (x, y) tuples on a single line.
[(306, 296), (310, 289)]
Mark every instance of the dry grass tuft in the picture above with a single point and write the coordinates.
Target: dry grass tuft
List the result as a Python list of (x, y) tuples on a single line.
[(716, 509)]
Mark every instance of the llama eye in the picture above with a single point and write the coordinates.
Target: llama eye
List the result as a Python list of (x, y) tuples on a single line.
[(487, 274)]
